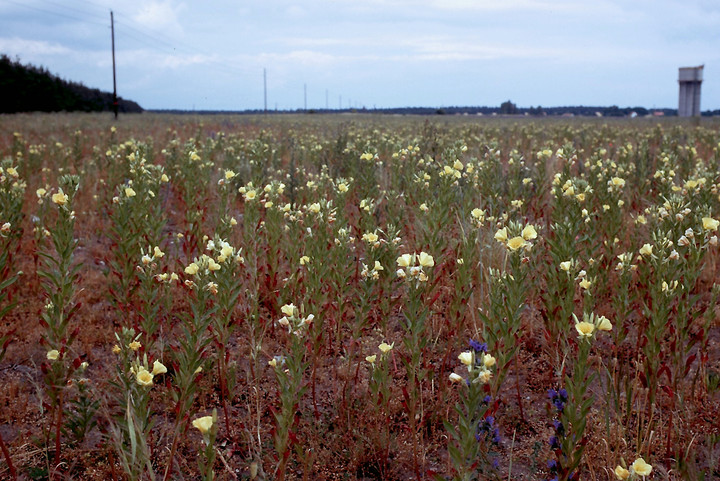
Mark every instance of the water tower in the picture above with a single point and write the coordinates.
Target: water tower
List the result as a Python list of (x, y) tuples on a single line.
[(690, 79)]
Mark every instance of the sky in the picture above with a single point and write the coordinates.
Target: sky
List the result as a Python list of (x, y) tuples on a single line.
[(211, 54)]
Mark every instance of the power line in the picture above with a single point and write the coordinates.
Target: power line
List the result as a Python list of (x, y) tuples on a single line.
[(53, 12)]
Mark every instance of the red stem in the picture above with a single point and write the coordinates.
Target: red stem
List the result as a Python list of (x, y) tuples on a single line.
[(6, 453)]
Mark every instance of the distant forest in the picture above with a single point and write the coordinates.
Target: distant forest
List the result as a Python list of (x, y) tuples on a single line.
[(26, 88)]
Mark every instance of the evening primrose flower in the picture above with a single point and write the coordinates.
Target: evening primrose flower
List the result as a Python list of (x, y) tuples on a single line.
[(135, 345), (477, 213), (404, 260), (646, 250), (455, 377), (250, 195), (585, 284), (371, 359), (584, 329), (192, 269), (501, 235), (516, 243), (425, 260), (385, 347), (709, 223), (60, 198), (622, 473), (640, 467), (288, 309), (304, 260), (203, 424), (129, 192), (529, 233), (53, 355), (144, 377), (158, 368), (604, 324), (488, 360), (565, 266), (467, 358)]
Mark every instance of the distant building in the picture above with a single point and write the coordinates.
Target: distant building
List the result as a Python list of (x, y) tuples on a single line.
[(690, 79)]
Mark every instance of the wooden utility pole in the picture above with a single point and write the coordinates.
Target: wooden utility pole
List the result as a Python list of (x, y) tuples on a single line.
[(112, 34)]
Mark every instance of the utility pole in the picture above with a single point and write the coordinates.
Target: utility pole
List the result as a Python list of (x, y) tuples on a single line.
[(112, 34), (265, 87), (305, 95)]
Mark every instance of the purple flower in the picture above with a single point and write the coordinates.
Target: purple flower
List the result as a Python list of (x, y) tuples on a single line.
[(478, 346), (554, 443)]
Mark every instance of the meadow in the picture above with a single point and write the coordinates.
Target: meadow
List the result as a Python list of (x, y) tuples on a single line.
[(358, 297)]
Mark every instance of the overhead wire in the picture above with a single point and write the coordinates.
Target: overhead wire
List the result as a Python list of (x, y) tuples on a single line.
[(123, 24)]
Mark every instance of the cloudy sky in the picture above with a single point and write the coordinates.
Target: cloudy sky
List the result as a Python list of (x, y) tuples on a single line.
[(375, 53)]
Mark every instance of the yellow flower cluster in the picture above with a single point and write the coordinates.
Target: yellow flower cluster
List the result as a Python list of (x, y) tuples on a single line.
[(514, 240), (411, 265), (590, 324)]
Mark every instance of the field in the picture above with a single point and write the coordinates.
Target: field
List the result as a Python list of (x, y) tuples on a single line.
[(358, 297)]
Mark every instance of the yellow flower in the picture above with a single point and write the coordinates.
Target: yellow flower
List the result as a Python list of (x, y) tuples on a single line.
[(60, 198), (477, 213), (116, 349), (488, 360), (342, 187), (164, 178), (272, 362), (378, 267), (585, 284), (250, 195), (212, 265), (709, 223), (229, 174), (484, 376), (585, 329), (53, 355), (423, 207), (516, 243), (144, 377), (455, 377), (192, 269), (640, 467), (566, 265), (135, 345), (157, 252), (370, 237), (129, 192), (385, 347), (529, 232), (604, 324), (371, 359), (203, 424), (426, 260), (304, 260), (466, 358), (501, 235), (404, 260), (646, 250), (158, 368), (622, 473), (617, 182), (288, 309)]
